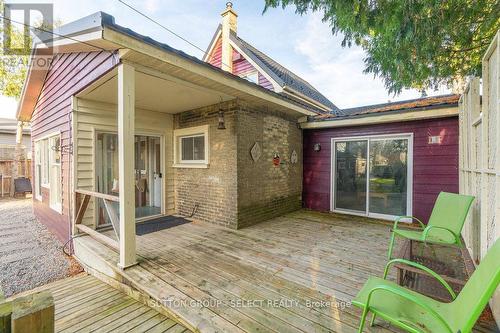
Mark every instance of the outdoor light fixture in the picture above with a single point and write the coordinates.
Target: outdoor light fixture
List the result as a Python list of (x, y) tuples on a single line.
[(222, 124), (317, 147)]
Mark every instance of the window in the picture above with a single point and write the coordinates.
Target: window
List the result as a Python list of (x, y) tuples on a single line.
[(44, 156), (55, 172), (48, 169), (38, 171), (191, 147), (252, 77)]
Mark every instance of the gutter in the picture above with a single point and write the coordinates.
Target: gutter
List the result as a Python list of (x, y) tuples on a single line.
[(296, 94), (384, 117)]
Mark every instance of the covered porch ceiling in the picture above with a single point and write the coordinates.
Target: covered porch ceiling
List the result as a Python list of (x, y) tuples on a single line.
[(171, 83), (155, 91)]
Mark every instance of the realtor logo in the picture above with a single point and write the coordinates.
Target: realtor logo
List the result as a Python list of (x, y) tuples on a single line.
[(17, 25)]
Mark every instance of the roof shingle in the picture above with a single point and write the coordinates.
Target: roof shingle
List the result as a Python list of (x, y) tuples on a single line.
[(422, 104), (283, 76)]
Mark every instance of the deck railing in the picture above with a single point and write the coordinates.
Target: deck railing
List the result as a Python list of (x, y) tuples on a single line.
[(82, 198)]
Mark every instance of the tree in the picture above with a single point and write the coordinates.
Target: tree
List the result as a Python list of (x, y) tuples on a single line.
[(13, 67), (411, 44), (14, 63)]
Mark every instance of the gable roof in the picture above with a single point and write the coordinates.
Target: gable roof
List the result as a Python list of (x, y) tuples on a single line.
[(87, 34), (282, 76), (417, 104)]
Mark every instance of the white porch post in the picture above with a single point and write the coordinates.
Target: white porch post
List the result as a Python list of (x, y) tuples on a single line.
[(126, 119)]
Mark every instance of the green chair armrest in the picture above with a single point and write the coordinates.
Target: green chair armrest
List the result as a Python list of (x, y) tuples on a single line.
[(399, 218), (411, 298), (430, 227), (425, 269)]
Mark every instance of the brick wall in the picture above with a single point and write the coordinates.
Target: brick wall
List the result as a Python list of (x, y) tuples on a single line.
[(266, 190), (213, 189), (235, 191)]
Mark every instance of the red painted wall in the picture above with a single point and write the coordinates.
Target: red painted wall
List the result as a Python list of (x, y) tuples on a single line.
[(68, 74), (241, 66), (435, 166)]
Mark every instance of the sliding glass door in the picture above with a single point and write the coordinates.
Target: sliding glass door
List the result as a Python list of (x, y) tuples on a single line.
[(372, 175), (350, 175)]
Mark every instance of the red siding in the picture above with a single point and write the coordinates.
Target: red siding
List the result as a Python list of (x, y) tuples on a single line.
[(435, 167), (69, 73), (241, 65), (216, 56)]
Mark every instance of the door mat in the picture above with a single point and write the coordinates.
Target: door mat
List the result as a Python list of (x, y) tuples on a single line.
[(164, 222)]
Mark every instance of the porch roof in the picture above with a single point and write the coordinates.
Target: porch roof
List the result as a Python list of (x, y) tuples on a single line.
[(407, 110), (100, 32)]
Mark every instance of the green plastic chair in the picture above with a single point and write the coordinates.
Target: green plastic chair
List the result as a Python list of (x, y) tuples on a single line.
[(445, 224), (417, 313)]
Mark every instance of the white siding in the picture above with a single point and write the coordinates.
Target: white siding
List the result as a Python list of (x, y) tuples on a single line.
[(90, 117)]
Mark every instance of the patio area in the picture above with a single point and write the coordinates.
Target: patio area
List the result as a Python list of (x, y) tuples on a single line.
[(295, 273)]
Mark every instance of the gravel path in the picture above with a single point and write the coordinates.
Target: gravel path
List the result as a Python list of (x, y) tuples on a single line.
[(30, 255)]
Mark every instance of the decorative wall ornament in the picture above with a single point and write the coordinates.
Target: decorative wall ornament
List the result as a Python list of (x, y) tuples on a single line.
[(276, 159), (294, 158), (317, 147), (255, 152)]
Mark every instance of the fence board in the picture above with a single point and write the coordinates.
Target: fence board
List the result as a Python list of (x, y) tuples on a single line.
[(479, 158)]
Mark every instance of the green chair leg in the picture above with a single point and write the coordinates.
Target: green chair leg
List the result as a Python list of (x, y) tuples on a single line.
[(372, 322), (363, 318), (391, 245)]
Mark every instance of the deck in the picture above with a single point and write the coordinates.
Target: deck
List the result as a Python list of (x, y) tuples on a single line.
[(85, 304), (296, 273)]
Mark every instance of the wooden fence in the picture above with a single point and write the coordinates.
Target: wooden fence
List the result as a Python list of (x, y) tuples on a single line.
[(480, 154), (23, 170), (480, 157)]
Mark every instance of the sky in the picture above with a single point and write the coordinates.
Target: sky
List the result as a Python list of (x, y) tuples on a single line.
[(303, 44)]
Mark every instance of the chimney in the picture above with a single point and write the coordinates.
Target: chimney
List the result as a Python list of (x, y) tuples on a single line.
[(229, 24)]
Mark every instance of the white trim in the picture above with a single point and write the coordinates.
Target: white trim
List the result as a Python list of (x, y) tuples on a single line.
[(250, 73), (103, 130), (215, 39), (294, 93), (191, 132), (55, 206), (37, 177), (409, 175), (276, 87), (384, 117), (83, 38)]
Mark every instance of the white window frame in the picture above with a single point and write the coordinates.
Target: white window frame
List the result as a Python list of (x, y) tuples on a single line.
[(45, 162), (46, 155), (409, 184), (191, 132), (38, 170), (247, 76), (54, 184)]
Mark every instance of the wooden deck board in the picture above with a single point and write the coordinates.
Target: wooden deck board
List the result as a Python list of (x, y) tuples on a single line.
[(306, 262), (85, 304)]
